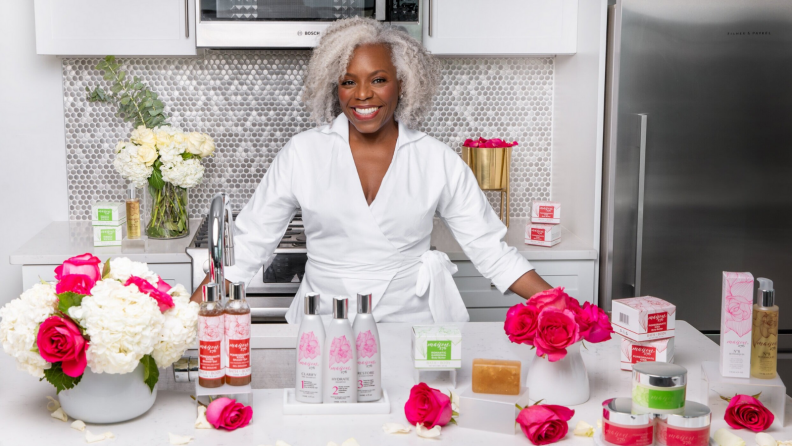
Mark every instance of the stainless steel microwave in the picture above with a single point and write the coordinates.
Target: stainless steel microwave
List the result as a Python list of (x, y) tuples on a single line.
[(291, 23)]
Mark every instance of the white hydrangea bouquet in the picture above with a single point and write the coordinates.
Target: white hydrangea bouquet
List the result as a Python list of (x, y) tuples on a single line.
[(165, 158), (111, 321)]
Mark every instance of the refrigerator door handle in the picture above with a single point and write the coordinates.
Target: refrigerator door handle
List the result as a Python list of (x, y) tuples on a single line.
[(641, 189)]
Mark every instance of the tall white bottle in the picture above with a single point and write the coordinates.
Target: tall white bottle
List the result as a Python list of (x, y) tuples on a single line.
[(340, 361), (310, 349), (369, 366)]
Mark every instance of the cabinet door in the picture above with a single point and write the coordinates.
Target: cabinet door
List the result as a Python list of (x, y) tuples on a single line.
[(520, 27), (118, 27)]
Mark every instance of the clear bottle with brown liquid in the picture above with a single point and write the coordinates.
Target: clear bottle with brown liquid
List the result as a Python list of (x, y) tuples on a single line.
[(764, 335), (133, 213), (211, 372), (237, 337)]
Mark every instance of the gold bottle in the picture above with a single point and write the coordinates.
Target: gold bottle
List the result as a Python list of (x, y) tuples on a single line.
[(133, 213), (764, 337)]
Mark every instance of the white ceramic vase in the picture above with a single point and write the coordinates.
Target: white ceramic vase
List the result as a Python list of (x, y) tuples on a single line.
[(108, 398), (564, 382)]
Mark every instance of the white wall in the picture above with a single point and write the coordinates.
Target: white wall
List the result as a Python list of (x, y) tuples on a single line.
[(32, 143)]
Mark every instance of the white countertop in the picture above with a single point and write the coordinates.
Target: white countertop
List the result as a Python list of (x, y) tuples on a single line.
[(63, 239), (26, 420)]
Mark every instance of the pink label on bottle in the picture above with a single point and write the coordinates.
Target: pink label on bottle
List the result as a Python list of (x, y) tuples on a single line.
[(237, 339), (546, 212), (627, 436), (657, 322), (210, 338), (308, 349), (340, 353), (537, 234), (366, 345)]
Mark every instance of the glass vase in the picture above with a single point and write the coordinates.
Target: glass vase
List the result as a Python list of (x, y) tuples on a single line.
[(169, 218)]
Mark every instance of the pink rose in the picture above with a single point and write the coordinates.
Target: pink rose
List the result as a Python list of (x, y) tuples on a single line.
[(228, 414), (428, 406), (75, 283), (521, 323), (545, 424), (85, 264), (557, 330), (59, 340), (164, 300), (550, 298), (747, 412), (163, 285), (600, 328), (366, 344), (470, 143)]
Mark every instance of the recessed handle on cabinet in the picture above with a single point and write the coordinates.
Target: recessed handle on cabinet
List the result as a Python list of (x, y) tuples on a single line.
[(187, 18), (641, 188), (431, 12), (379, 11)]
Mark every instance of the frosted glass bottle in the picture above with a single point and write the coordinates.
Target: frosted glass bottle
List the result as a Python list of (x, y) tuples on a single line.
[(339, 374), (236, 313), (310, 348), (211, 371), (369, 366)]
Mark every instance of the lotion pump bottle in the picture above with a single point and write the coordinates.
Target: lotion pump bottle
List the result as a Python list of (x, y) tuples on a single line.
[(367, 343), (340, 360), (764, 336), (310, 348)]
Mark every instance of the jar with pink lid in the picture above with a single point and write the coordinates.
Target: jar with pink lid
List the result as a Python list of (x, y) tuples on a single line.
[(620, 427), (690, 428)]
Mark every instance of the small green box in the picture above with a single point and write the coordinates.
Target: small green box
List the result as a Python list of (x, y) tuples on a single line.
[(106, 213), (437, 346), (108, 235)]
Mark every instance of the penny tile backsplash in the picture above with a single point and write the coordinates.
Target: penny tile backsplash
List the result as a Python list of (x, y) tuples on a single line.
[(249, 102)]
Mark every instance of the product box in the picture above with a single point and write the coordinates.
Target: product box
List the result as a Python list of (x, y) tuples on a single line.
[(736, 320), (106, 213), (633, 352), (437, 347), (546, 212), (108, 235), (542, 235), (643, 318)]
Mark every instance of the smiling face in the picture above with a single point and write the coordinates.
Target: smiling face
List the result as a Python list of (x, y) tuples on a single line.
[(369, 90)]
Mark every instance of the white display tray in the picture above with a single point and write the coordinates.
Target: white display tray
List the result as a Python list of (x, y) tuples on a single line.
[(293, 407)]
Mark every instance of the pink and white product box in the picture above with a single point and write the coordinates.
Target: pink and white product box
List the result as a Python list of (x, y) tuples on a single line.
[(643, 318), (548, 212), (542, 235), (633, 352), (736, 320)]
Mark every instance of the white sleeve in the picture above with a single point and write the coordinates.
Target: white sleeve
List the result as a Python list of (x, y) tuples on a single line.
[(264, 219), (477, 228)]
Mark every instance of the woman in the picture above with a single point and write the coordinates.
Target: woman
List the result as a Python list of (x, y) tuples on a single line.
[(369, 186)]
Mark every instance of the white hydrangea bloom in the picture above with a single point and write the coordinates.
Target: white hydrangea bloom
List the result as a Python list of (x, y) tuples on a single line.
[(18, 327), (178, 330), (183, 173), (170, 153), (130, 166), (122, 323), (121, 269)]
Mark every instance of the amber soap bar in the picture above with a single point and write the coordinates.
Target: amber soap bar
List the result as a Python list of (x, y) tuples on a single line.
[(496, 376)]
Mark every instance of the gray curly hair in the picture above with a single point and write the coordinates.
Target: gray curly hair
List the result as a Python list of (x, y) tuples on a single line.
[(416, 68)]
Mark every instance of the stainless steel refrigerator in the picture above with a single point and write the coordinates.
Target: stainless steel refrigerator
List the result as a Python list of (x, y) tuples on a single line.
[(698, 154)]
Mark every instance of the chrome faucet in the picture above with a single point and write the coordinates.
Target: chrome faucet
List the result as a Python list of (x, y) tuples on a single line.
[(221, 239)]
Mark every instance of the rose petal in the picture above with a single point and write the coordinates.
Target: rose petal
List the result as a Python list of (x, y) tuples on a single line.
[(763, 439), (725, 438), (201, 422), (179, 439), (53, 404), (427, 433), (350, 442), (59, 414), (395, 428), (583, 429), (78, 425), (92, 438)]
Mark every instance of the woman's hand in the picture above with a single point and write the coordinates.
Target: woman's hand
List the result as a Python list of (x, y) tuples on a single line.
[(529, 284), (197, 296)]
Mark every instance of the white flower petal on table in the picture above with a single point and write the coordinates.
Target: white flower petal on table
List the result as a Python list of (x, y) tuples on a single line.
[(422, 431), (599, 424), (584, 429), (59, 414), (785, 443), (53, 404), (763, 439), (281, 443), (201, 422), (395, 428), (725, 438), (78, 425), (179, 439), (93, 438), (350, 442), (332, 443)]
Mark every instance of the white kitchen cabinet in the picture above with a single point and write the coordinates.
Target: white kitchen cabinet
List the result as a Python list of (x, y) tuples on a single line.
[(172, 273), (118, 27), (500, 27), (486, 304)]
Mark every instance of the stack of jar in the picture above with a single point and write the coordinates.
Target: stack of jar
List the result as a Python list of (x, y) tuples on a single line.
[(657, 411), (646, 325)]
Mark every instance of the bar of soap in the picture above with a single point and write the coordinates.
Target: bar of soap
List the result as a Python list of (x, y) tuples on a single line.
[(496, 376)]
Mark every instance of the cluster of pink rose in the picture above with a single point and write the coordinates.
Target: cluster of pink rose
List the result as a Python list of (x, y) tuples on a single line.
[(493, 143), (551, 321)]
